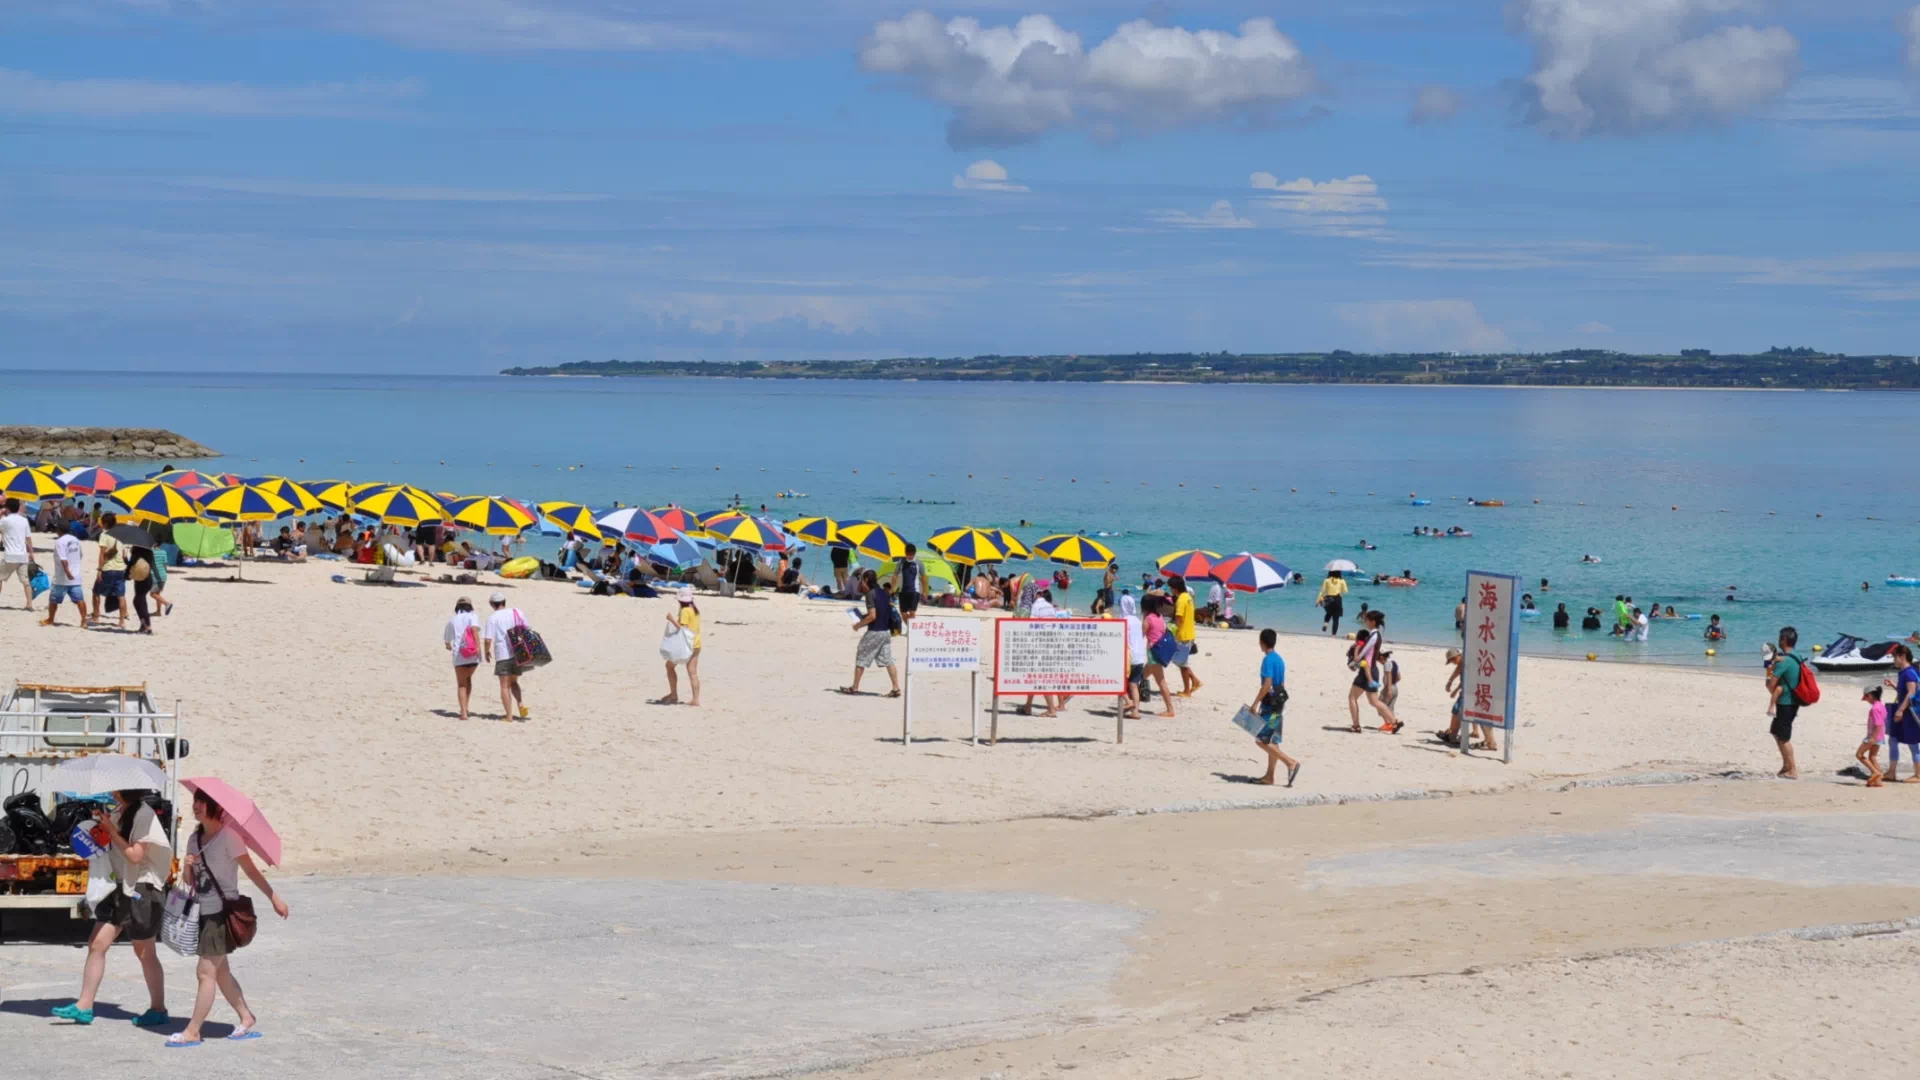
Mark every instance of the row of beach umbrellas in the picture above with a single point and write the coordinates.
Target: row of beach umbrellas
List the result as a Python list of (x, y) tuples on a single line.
[(672, 533)]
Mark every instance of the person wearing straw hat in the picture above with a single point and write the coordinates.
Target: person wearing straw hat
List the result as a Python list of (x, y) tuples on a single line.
[(142, 859)]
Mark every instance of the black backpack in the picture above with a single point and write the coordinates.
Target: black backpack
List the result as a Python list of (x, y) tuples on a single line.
[(32, 832)]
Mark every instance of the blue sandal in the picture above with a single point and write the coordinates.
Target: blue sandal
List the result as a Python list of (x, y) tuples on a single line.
[(152, 1018), (178, 1041), (75, 1013)]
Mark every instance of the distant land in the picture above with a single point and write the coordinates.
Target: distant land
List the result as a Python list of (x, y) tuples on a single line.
[(1798, 368)]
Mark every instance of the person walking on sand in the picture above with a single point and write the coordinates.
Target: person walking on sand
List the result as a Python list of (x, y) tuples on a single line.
[(1332, 601), (500, 654), (1270, 704), (1365, 664), (1185, 635), (1160, 649), (110, 583), (907, 580), (876, 637), (685, 620), (1783, 678), (1869, 753), (462, 639), (68, 564), (1903, 719), (142, 861), (216, 855), (16, 550)]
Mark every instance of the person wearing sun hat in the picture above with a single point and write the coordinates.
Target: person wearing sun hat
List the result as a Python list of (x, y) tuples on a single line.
[(500, 653), (684, 620)]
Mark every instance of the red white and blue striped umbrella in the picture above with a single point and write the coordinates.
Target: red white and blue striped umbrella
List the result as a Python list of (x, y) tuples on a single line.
[(91, 480), (1251, 572), (637, 524)]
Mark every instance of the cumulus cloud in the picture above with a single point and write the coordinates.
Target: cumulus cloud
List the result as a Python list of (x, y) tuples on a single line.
[(1435, 105), (1910, 28), (1422, 325), (986, 175), (1618, 67), (24, 93), (1010, 84), (1220, 215), (1349, 207)]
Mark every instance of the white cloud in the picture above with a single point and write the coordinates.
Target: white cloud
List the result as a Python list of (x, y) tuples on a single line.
[(1435, 105), (1910, 27), (986, 175), (1422, 325), (1593, 328), (1349, 207), (1009, 84), (24, 93), (1615, 67), (1220, 215)]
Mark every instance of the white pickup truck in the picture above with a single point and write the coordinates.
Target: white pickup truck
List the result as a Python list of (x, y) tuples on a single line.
[(41, 726)]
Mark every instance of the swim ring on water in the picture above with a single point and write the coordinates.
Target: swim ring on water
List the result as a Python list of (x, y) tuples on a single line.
[(1490, 502), (1403, 582), (1908, 582), (1423, 502), (523, 567)]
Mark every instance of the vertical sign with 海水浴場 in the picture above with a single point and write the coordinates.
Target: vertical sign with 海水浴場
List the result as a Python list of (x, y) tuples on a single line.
[(935, 645), (1490, 655)]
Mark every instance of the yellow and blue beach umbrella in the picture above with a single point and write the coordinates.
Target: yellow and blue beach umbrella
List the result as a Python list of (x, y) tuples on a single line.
[(333, 493), (304, 501), (490, 515), (874, 539), (29, 484), (572, 517), (153, 502), (1009, 543), (403, 505), (1069, 550), (742, 531), (820, 531), (966, 546), (244, 502)]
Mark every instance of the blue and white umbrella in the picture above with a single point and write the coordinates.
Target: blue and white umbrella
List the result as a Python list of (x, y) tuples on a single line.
[(678, 553)]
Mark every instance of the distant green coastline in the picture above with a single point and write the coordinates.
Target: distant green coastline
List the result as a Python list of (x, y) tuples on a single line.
[(1777, 369)]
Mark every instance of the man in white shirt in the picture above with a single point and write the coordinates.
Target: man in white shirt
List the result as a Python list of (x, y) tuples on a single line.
[(67, 568), (16, 549), (500, 655)]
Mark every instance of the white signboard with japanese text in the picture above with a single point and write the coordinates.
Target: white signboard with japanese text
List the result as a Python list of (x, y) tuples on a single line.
[(943, 645), (1490, 655), (1060, 656)]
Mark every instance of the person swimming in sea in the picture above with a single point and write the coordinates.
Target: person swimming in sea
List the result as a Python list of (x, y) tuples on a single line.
[(1364, 546), (1588, 559)]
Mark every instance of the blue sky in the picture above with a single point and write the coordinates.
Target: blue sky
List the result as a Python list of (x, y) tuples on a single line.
[(459, 185)]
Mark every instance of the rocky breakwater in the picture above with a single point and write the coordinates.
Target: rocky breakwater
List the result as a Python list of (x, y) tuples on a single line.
[(88, 444)]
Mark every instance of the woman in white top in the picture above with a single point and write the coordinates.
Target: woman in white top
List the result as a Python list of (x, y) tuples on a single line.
[(462, 638), (142, 860), (215, 857)]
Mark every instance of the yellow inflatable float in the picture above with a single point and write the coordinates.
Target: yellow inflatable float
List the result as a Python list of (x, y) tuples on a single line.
[(523, 567)]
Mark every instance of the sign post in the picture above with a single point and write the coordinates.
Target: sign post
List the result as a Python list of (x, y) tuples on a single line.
[(933, 645), (1490, 657), (1060, 658)]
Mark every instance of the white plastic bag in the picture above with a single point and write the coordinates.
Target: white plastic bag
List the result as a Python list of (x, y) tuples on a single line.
[(100, 879), (677, 646)]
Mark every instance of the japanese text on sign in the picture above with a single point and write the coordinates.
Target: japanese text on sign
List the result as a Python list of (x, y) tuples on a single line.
[(943, 645), (1490, 650), (1060, 656)]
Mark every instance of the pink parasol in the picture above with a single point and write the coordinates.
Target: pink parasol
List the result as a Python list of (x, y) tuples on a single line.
[(241, 815)]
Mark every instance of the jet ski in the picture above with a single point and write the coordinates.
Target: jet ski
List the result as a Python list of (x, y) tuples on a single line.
[(1849, 653)]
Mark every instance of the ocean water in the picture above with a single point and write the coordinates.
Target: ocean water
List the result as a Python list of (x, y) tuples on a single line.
[(1795, 498)]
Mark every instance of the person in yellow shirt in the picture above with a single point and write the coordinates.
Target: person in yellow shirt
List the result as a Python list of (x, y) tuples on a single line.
[(687, 622), (1332, 601), (1184, 635)]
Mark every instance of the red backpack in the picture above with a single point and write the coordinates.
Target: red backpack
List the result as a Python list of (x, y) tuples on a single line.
[(1807, 690)]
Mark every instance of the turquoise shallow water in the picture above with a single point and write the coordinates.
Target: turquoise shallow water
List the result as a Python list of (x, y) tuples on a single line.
[(1301, 472)]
